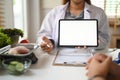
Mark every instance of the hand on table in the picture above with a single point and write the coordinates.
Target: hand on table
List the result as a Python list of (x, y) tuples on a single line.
[(113, 70), (96, 67)]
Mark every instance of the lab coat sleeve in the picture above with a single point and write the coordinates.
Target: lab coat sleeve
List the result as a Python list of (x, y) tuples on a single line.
[(46, 27), (103, 31)]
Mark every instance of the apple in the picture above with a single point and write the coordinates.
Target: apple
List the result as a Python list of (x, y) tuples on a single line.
[(24, 41)]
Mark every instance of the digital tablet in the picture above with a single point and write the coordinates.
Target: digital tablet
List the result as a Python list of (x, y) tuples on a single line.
[(74, 33)]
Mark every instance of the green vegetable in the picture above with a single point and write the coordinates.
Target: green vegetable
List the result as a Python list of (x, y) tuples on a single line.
[(16, 67), (19, 67), (12, 31), (4, 40), (9, 36), (11, 68), (13, 62)]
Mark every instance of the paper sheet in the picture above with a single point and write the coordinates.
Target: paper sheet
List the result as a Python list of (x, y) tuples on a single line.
[(72, 57)]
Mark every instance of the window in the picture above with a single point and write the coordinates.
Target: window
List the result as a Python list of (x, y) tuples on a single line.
[(111, 7), (2, 21), (98, 3), (19, 11), (18, 14), (6, 13)]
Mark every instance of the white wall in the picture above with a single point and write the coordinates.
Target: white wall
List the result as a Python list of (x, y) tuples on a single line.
[(50, 3), (47, 5)]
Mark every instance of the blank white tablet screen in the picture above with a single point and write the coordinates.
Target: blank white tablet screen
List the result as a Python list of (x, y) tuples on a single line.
[(78, 33)]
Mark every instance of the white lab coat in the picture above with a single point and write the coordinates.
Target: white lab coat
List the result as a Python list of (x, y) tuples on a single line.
[(50, 24)]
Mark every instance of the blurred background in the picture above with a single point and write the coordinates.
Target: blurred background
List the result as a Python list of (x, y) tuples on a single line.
[(27, 15)]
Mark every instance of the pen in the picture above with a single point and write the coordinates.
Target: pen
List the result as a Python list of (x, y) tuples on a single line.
[(114, 49), (46, 44), (75, 63)]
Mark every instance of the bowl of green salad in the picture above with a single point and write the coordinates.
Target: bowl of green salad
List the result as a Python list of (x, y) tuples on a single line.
[(16, 66)]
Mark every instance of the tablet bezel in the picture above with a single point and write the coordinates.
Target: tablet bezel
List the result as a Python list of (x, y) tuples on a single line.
[(78, 44)]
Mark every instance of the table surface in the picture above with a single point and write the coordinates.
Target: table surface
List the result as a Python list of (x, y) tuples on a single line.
[(45, 70)]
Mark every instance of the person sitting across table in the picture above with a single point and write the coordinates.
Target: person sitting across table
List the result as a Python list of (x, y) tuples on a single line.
[(101, 67)]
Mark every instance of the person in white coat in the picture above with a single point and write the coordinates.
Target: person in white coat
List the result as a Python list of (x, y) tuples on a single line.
[(73, 9)]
